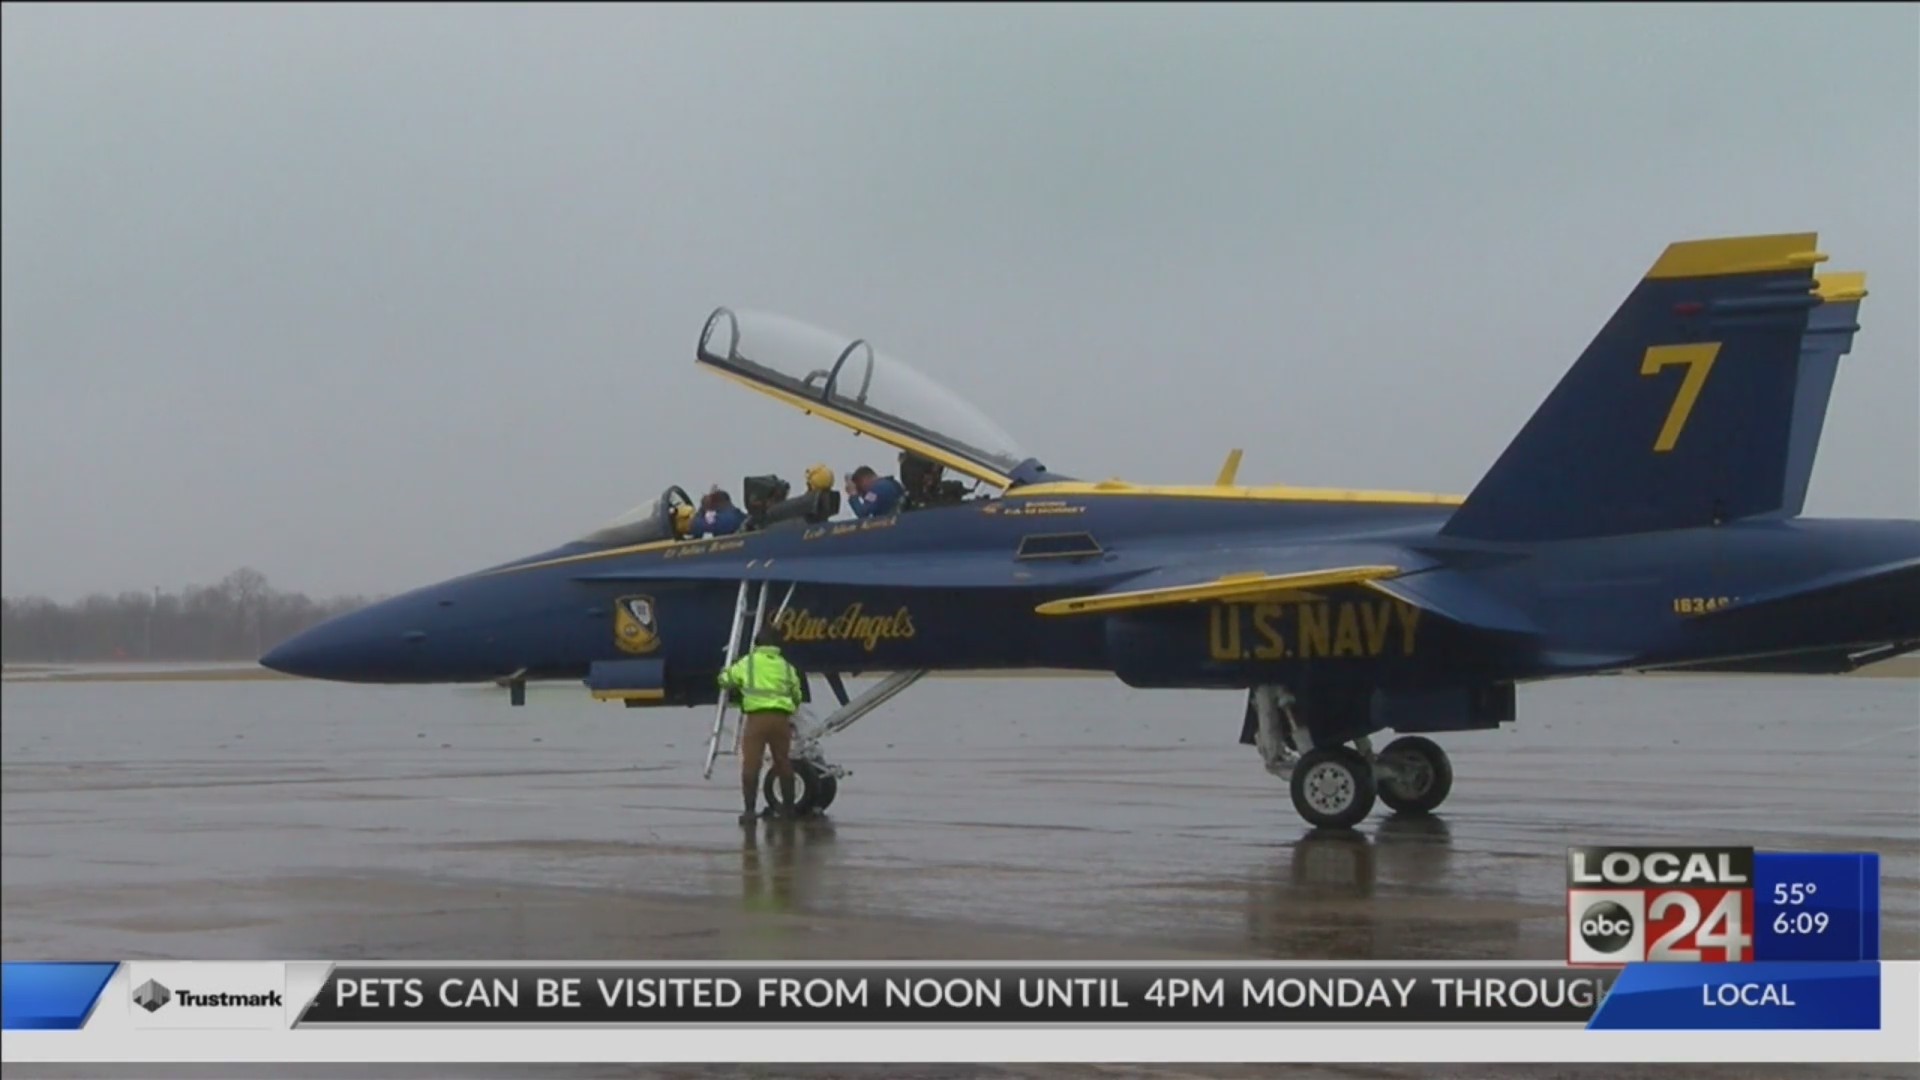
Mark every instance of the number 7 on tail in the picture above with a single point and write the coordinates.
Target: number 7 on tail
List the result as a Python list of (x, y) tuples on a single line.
[(1698, 360)]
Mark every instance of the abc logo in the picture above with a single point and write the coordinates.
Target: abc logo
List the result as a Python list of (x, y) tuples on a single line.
[(1606, 927)]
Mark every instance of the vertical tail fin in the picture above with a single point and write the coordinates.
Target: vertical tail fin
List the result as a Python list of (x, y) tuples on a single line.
[(1699, 402), (1830, 330)]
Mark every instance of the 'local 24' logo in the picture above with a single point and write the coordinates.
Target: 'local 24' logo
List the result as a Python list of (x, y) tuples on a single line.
[(1688, 905)]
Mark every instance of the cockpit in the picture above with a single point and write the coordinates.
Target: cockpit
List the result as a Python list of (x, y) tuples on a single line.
[(675, 515), (941, 438)]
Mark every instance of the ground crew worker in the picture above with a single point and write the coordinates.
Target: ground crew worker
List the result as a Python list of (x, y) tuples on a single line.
[(718, 516), (873, 495), (769, 696)]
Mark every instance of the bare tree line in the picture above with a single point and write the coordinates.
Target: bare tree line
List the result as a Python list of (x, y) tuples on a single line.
[(237, 619)]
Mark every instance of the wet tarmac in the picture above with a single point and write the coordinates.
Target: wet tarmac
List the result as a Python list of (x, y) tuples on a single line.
[(986, 818)]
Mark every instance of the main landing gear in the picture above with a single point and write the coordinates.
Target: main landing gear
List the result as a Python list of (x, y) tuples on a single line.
[(1336, 786)]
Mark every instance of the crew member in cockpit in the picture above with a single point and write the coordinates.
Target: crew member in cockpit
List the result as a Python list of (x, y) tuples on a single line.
[(718, 516), (871, 494), (921, 479)]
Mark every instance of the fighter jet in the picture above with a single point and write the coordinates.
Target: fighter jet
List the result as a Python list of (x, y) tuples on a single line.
[(1647, 517)]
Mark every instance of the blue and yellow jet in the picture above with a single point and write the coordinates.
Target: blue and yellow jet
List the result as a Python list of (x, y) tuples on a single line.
[(1646, 517)]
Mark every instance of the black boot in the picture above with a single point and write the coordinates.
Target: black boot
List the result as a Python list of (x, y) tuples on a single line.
[(749, 796)]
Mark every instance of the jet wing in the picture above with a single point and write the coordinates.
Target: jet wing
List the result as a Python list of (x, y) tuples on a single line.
[(1245, 574)]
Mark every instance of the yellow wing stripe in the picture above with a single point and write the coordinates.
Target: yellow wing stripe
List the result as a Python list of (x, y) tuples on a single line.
[(1841, 285), (1737, 255), (1081, 489), (1225, 587), (892, 438)]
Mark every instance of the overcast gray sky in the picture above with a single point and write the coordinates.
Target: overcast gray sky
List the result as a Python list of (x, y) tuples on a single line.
[(367, 297)]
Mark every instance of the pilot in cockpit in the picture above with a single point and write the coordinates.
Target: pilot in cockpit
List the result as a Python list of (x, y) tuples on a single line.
[(873, 495), (717, 515)]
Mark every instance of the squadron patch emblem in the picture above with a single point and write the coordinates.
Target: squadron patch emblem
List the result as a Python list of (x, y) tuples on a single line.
[(634, 628)]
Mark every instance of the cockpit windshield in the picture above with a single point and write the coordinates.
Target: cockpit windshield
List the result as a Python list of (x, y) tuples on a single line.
[(661, 519), (877, 392), (638, 525)]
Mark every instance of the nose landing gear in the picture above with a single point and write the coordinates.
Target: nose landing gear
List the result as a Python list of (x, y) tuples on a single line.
[(814, 786)]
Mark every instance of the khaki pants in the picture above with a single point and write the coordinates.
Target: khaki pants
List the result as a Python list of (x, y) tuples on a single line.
[(766, 731)]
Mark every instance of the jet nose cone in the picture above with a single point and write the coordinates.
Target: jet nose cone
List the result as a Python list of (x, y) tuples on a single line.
[(369, 645), (280, 658), (300, 655)]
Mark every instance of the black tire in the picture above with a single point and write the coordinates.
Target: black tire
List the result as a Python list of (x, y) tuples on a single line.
[(812, 788), (1421, 778), (1333, 787), (828, 787)]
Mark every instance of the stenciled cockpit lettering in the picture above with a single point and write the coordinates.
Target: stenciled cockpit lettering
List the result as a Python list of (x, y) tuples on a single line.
[(847, 528), (1039, 508), (702, 547)]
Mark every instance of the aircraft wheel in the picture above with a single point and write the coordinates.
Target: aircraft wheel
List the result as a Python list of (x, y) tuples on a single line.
[(1419, 776), (1333, 787), (828, 787), (813, 789)]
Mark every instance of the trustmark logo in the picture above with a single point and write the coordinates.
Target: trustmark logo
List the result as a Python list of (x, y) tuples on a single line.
[(208, 995), (150, 995)]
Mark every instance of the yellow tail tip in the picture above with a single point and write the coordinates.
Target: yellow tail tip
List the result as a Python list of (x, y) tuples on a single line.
[(1738, 255), (1840, 285)]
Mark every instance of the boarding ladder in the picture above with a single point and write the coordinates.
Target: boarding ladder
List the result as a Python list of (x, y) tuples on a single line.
[(749, 617)]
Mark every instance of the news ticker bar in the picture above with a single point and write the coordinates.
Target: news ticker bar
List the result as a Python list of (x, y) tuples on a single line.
[(1670, 997)]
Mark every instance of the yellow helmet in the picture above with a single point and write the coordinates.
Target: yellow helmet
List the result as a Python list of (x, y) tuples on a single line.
[(819, 478), (682, 520)]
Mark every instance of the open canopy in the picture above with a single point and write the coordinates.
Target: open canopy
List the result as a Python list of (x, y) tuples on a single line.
[(848, 382)]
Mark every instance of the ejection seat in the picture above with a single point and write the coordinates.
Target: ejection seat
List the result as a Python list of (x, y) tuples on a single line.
[(925, 485), (768, 504)]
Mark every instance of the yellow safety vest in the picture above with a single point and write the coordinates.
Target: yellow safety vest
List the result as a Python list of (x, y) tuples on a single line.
[(767, 683)]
